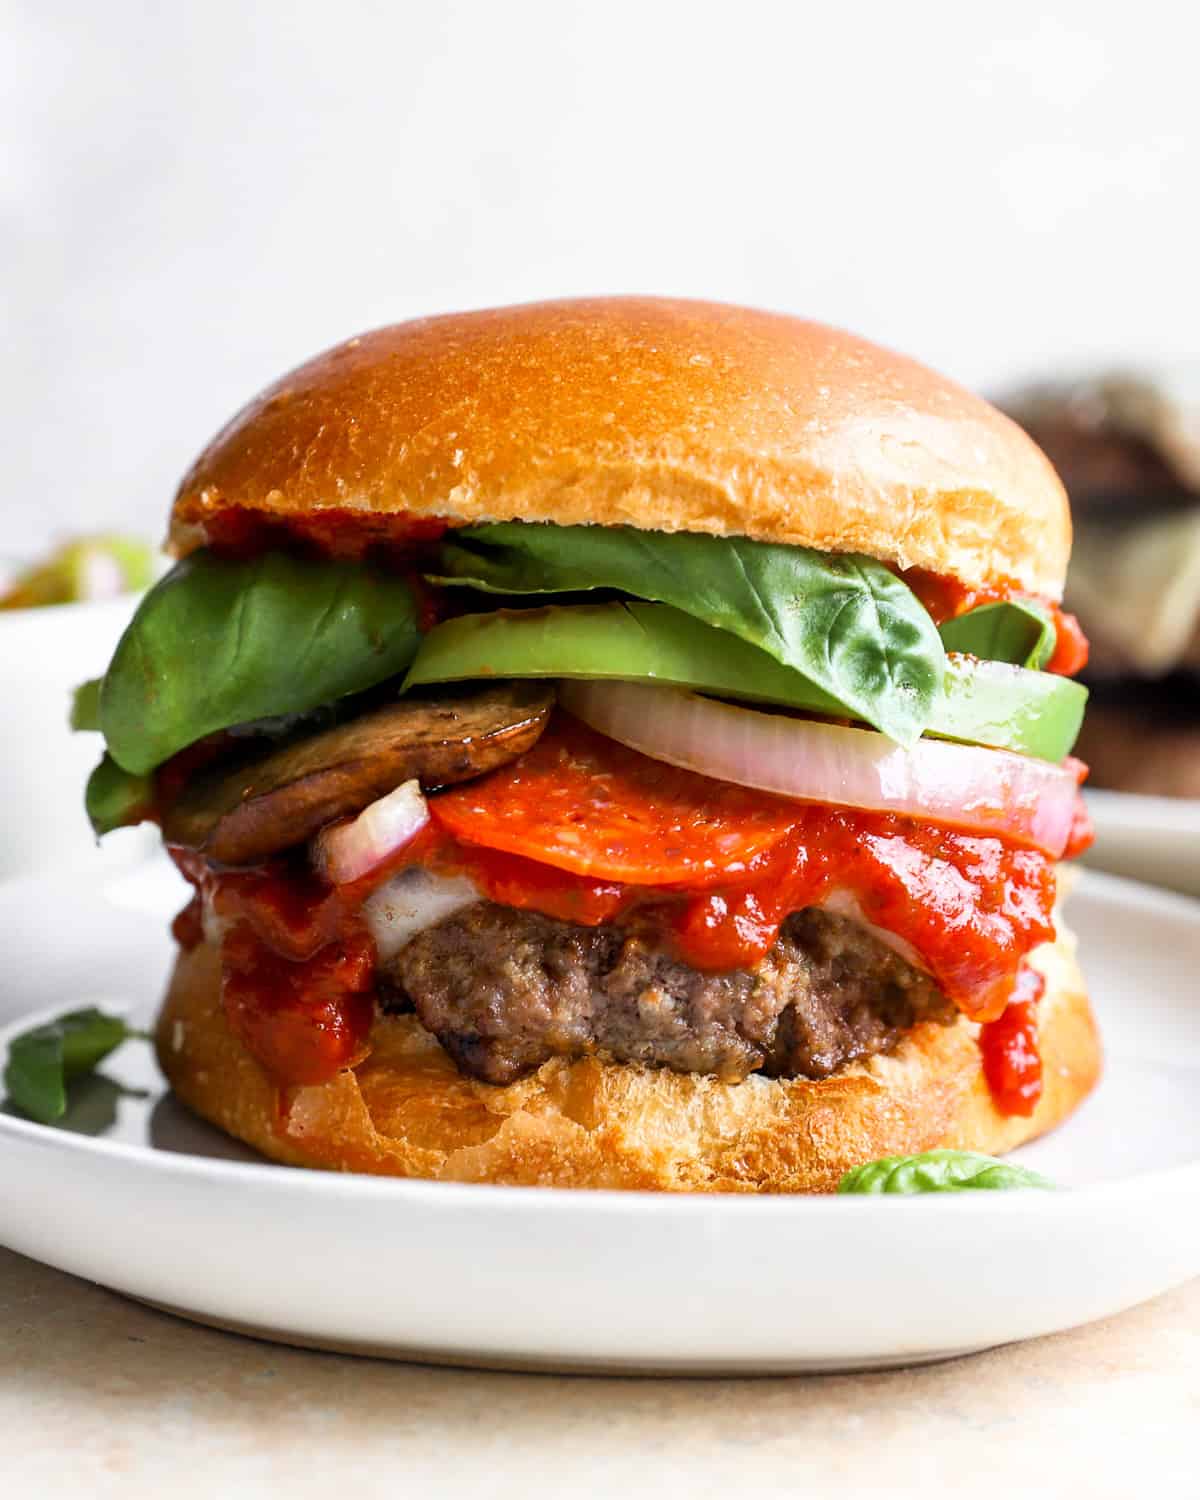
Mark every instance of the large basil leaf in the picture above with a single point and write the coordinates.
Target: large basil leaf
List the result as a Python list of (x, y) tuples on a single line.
[(849, 625), (939, 1172), (219, 642), (1014, 631), (43, 1061), (985, 703), (116, 798)]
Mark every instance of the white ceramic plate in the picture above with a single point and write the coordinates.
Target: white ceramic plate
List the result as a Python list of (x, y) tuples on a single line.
[(1147, 838), (138, 1196)]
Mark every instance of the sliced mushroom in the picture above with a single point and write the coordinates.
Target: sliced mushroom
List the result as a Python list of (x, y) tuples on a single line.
[(237, 815)]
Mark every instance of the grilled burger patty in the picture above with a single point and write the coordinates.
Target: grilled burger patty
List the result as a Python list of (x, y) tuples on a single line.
[(505, 990)]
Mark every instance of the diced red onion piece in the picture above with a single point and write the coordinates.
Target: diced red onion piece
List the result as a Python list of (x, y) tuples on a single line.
[(345, 852), (961, 786)]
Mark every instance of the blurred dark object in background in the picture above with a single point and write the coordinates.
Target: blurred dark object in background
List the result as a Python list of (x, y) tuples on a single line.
[(1128, 449)]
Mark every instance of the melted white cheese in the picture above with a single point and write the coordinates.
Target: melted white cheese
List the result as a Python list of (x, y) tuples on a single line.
[(410, 902), (844, 903)]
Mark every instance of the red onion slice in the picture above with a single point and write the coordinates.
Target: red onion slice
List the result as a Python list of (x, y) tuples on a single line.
[(344, 852), (962, 786)]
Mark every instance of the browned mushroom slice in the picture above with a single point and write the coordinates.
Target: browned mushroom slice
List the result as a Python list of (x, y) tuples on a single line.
[(281, 797)]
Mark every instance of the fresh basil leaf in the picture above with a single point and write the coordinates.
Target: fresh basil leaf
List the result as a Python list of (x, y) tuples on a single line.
[(939, 1172), (43, 1061), (1014, 631), (219, 642), (85, 705), (848, 624), (985, 703), (116, 798)]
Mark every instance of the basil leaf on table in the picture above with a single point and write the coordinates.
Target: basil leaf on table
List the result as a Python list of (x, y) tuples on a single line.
[(43, 1061), (221, 641), (939, 1172), (847, 623), (1014, 631), (116, 798), (985, 703)]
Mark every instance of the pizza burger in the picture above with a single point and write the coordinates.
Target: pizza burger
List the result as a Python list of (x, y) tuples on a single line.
[(616, 743)]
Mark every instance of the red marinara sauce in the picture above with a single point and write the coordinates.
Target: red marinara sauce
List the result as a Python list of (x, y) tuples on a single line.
[(297, 963), (1012, 1064), (946, 598)]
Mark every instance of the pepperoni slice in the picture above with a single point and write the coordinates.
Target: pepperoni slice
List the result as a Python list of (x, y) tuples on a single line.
[(581, 802)]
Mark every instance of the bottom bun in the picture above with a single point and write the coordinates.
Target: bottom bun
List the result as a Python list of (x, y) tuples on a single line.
[(406, 1111)]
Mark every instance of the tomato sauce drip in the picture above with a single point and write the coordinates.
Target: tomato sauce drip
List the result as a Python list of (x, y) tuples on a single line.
[(1082, 834), (188, 927), (1071, 649), (946, 599), (297, 963), (1012, 1064)]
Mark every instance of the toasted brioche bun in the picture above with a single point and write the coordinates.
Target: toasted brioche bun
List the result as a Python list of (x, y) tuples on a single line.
[(665, 415), (407, 1111)]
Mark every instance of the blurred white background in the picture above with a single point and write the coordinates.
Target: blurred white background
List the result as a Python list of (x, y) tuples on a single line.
[(197, 196)]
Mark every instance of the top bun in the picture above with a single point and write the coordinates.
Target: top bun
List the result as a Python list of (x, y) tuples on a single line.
[(666, 415)]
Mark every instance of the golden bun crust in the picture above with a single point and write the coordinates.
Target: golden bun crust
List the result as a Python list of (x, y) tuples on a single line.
[(407, 1111), (663, 414)]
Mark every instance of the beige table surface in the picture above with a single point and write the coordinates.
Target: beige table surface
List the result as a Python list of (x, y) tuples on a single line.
[(100, 1396)]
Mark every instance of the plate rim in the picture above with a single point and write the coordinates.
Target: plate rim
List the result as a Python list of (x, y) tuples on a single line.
[(1143, 812)]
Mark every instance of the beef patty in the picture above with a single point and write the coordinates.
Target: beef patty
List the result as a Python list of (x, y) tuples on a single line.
[(505, 990)]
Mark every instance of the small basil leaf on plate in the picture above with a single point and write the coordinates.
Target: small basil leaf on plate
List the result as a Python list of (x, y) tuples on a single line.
[(849, 625), (43, 1061), (116, 798), (939, 1172), (1013, 631), (223, 641)]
